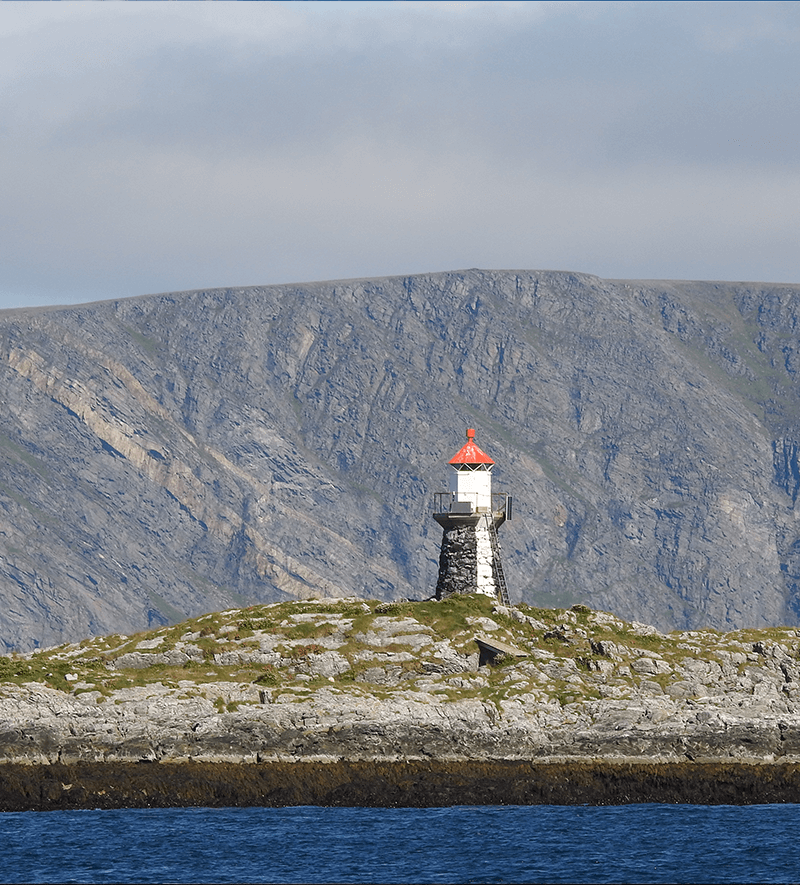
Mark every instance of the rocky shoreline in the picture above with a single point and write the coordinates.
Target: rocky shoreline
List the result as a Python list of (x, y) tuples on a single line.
[(41, 726), (408, 784), (355, 702)]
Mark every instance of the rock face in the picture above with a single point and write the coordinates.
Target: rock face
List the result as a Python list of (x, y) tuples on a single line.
[(167, 455)]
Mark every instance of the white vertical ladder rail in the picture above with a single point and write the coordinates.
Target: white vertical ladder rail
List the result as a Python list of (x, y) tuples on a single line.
[(497, 564)]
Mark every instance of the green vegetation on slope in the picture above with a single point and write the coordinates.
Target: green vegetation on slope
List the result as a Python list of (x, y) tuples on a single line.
[(291, 649)]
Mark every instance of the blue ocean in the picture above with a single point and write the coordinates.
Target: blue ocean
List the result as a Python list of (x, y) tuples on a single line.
[(633, 843)]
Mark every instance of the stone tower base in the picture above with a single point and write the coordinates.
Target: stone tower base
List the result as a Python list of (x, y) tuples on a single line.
[(466, 562)]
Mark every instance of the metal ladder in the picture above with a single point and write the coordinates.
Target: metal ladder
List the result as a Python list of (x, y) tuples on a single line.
[(500, 577)]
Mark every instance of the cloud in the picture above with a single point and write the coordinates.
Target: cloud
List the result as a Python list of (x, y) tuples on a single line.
[(150, 147)]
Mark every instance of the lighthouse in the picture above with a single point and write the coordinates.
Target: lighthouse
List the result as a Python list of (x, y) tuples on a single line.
[(470, 514)]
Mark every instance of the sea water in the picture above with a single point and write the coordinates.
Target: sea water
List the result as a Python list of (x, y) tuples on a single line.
[(633, 843)]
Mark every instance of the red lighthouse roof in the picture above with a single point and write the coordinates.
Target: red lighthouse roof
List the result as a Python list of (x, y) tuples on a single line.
[(469, 453)]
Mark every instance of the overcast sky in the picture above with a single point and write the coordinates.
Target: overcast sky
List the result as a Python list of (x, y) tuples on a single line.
[(152, 147)]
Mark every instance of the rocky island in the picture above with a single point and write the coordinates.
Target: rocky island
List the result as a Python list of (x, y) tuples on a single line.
[(359, 702), (271, 454)]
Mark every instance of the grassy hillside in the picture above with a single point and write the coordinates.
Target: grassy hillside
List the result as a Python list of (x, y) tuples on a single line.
[(289, 650)]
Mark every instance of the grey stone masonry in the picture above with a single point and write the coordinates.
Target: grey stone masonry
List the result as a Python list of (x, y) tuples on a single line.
[(458, 560), (467, 562)]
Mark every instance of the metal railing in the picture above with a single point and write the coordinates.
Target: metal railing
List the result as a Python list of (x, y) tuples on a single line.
[(445, 502)]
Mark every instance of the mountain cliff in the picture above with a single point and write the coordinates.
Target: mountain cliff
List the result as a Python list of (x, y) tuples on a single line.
[(167, 455)]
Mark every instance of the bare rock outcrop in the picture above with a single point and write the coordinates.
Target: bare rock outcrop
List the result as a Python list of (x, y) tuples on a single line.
[(347, 680)]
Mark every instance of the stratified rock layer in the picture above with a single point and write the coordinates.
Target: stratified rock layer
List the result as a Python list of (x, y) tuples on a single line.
[(173, 454)]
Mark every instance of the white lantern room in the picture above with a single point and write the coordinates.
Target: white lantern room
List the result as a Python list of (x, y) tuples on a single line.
[(471, 478)]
